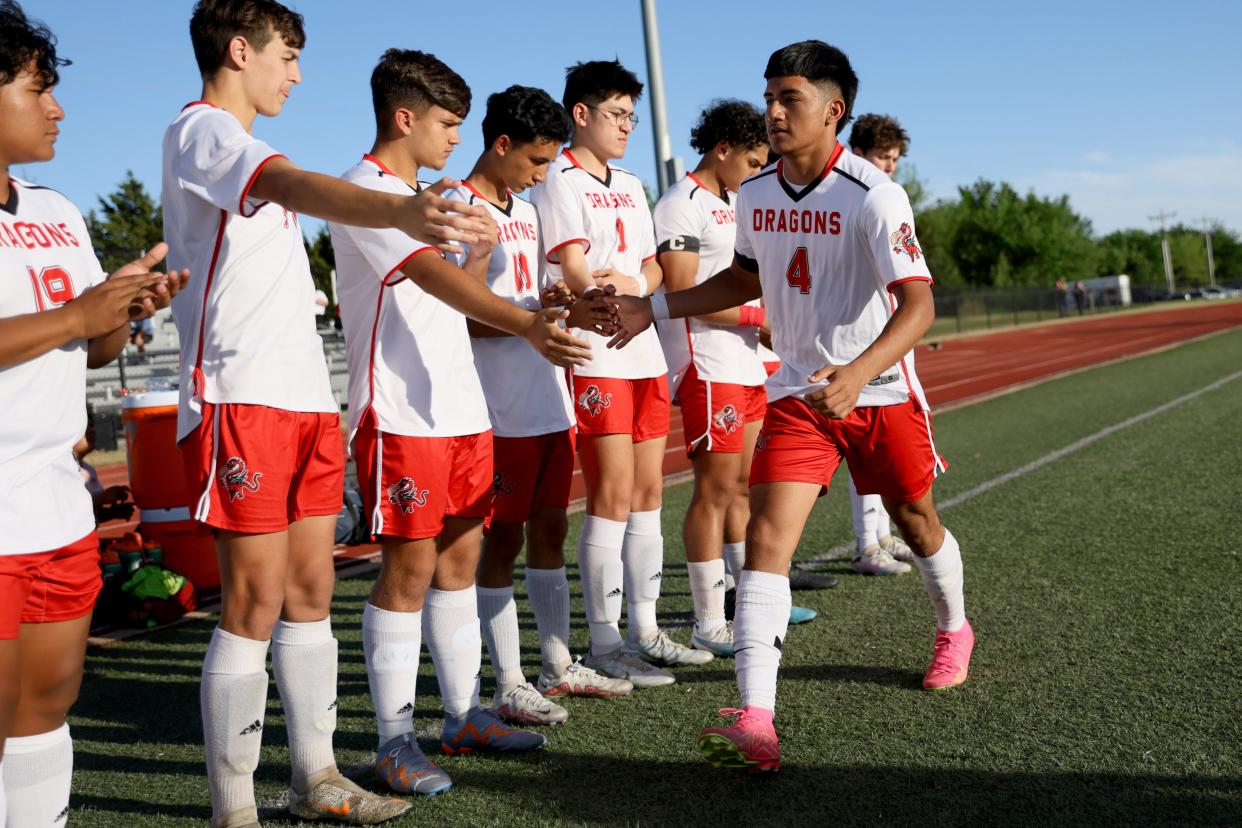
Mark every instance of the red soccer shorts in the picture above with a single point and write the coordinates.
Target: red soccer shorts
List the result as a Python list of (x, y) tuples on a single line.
[(46, 587), (638, 407), (263, 468), (531, 473), (890, 449), (714, 414), (420, 481)]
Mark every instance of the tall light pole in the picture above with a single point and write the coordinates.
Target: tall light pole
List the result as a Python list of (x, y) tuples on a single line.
[(1207, 240), (666, 165), (1163, 217)]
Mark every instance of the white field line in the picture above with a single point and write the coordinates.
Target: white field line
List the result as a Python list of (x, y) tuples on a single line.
[(844, 549)]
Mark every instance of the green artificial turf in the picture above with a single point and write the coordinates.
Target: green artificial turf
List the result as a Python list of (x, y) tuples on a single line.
[(1105, 589)]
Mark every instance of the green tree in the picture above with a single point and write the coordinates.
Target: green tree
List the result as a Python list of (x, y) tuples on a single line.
[(127, 223), (322, 261)]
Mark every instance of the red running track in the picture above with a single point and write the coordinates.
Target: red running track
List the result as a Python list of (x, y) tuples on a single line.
[(975, 366)]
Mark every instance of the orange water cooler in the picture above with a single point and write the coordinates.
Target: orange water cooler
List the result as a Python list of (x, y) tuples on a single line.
[(157, 482)]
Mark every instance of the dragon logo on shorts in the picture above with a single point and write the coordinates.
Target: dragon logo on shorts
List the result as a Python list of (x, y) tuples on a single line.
[(500, 486), (404, 494), (592, 401), (903, 241), (727, 419), (238, 479), (762, 442)]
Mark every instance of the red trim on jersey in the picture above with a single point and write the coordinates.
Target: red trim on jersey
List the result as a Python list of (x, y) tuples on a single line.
[(366, 156), (832, 159), (702, 186), (586, 245), (912, 382), (199, 103), (649, 258), (254, 176), (200, 381), (894, 284), (403, 263), (574, 161)]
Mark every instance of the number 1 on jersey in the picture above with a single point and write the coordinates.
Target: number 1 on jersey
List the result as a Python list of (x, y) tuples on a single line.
[(521, 273), (799, 272), (620, 236)]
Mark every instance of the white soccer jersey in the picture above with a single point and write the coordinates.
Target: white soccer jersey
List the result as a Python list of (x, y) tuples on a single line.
[(47, 260), (409, 353), (694, 219), (611, 218), (828, 254), (526, 394), (245, 320)]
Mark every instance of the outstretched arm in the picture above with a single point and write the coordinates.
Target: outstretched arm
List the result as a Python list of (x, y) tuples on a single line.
[(727, 289), (463, 293), (427, 215)]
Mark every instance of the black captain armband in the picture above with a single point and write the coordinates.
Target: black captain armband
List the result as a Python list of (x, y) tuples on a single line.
[(679, 244), (745, 262)]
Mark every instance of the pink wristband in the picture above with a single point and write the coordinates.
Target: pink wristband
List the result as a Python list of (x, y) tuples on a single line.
[(751, 316)]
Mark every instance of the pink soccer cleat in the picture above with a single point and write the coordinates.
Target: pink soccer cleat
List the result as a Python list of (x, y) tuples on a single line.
[(750, 742), (950, 658)]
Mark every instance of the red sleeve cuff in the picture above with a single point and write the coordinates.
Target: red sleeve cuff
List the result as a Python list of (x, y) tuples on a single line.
[(254, 176), (927, 279), (586, 246), (389, 281)]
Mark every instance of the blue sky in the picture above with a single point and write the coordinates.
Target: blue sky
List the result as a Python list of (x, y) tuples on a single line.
[(1127, 107)]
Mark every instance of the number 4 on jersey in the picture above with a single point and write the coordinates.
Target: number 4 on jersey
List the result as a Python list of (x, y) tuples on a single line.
[(799, 272)]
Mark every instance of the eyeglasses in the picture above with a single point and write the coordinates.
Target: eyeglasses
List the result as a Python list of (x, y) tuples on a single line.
[(617, 118)]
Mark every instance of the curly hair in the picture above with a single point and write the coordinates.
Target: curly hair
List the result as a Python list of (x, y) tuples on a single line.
[(525, 114), (878, 132), (735, 122), (23, 41)]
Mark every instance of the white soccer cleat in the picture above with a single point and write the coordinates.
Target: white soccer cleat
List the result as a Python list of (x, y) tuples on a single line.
[(875, 560), (623, 665), (580, 680), (899, 549), (660, 649), (524, 705), (718, 642)]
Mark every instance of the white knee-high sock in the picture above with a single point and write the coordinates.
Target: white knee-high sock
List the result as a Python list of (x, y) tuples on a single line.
[(883, 523), (549, 597), (643, 557), (499, 619), (735, 562), (391, 641), (38, 770), (759, 627), (865, 510), (943, 576), (233, 697), (451, 629), (304, 662), (707, 588), (599, 564)]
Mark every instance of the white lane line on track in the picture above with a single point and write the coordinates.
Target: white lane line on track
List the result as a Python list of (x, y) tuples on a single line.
[(844, 549)]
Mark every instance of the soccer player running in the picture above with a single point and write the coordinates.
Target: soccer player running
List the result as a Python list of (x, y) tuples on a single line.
[(829, 242), (258, 425), (597, 231), (532, 419), (59, 314), (419, 426), (880, 140)]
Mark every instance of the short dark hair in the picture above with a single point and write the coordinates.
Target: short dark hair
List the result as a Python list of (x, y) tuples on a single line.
[(215, 22), (23, 40), (525, 114), (735, 122), (416, 81), (878, 132), (819, 63), (595, 81)]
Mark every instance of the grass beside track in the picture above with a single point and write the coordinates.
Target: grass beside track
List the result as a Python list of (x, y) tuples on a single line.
[(1105, 589)]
